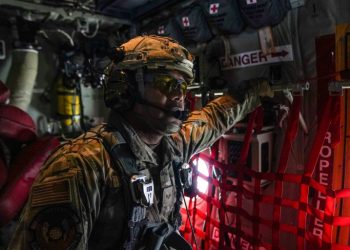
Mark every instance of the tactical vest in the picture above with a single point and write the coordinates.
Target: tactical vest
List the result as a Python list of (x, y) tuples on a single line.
[(138, 193)]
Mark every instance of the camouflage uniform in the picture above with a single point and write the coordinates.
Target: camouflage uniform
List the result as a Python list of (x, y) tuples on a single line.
[(76, 200)]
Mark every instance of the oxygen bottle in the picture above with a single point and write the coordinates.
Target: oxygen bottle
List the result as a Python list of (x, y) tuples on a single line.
[(68, 107)]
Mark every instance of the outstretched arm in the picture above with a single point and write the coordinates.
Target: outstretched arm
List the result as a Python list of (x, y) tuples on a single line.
[(205, 126)]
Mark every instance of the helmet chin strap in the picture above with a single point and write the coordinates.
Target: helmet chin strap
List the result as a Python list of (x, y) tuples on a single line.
[(178, 114)]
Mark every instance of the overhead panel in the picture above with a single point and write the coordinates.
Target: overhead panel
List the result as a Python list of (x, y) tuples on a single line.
[(62, 13)]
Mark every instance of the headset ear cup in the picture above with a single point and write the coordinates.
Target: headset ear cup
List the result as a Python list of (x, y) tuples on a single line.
[(119, 92), (117, 54)]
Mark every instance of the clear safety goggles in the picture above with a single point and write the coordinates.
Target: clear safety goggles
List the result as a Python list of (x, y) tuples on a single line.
[(167, 84)]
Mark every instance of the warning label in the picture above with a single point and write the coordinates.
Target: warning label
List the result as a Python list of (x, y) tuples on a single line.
[(257, 57)]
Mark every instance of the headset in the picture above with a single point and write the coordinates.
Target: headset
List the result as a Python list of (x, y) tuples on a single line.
[(122, 87)]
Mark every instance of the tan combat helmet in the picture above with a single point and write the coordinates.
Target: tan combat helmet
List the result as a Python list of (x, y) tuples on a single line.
[(156, 52), (142, 52)]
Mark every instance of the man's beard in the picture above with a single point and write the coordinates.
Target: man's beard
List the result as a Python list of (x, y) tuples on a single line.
[(162, 126), (170, 121)]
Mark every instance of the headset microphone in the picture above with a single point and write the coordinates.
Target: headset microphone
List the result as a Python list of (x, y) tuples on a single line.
[(178, 114)]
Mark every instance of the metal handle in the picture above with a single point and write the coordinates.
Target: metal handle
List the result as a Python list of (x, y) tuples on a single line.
[(298, 87), (338, 86)]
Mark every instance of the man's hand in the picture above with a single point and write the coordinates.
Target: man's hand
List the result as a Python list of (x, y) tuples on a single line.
[(254, 87), (263, 88)]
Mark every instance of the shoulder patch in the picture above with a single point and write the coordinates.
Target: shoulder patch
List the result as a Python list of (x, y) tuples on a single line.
[(55, 228), (52, 192)]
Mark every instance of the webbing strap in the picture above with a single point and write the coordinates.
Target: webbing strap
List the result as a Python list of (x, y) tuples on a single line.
[(240, 165), (336, 124), (122, 154), (125, 164), (137, 217), (136, 225), (214, 155), (319, 138), (290, 135), (176, 218), (309, 170)]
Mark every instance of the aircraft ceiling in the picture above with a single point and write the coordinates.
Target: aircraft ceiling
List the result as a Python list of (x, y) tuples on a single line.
[(108, 12)]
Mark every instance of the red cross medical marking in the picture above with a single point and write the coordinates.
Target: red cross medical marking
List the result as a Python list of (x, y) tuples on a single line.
[(251, 1), (161, 30), (185, 21), (214, 8)]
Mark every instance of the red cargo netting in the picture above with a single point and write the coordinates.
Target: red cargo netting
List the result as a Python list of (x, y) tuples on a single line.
[(232, 210)]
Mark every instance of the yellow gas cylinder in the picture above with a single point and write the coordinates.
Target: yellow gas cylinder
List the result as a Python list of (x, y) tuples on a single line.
[(68, 107)]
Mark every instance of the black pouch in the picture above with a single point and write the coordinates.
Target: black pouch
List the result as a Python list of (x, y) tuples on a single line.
[(167, 28), (223, 16), (157, 235), (260, 13), (175, 240), (154, 235), (193, 25)]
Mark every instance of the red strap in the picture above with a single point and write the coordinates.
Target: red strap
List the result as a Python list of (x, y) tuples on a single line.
[(335, 126), (319, 138), (239, 166), (247, 138), (291, 132)]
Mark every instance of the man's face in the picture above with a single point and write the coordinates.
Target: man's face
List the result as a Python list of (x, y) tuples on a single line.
[(166, 90)]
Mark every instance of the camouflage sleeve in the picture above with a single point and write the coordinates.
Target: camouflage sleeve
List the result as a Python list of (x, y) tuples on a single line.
[(205, 126), (65, 199)]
